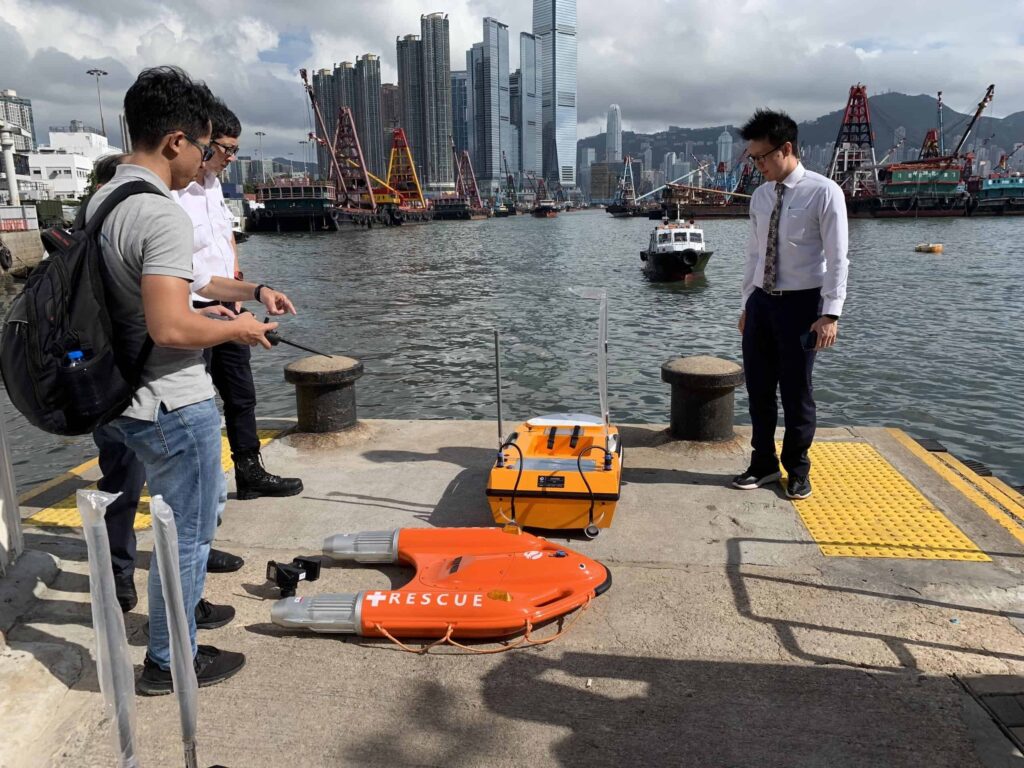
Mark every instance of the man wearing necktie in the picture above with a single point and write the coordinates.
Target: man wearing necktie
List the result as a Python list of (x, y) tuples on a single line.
[(794, 282)]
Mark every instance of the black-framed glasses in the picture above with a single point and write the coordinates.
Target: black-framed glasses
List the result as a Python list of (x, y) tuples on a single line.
[(229, 151), (206, 149), (762, 157)]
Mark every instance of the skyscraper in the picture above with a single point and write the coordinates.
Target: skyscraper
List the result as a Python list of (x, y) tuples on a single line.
[(725, 148), (460, 111), (613, 136), (529, 122), (367, 112), (487, 64), (554, 25), (326, 93), (390, 114), (18, 110), (410, 86), (437, 101), (345, 83)]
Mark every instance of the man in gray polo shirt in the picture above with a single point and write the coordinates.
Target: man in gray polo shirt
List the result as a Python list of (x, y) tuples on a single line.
[(172, 424)]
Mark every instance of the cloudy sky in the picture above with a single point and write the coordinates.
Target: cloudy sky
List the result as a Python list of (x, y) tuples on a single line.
[(680, 62)]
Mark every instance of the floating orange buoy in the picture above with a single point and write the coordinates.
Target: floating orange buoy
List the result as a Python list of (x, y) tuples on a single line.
[(928, 248)]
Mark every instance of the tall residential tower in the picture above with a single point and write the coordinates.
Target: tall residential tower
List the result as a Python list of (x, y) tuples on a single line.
[(437, 102)]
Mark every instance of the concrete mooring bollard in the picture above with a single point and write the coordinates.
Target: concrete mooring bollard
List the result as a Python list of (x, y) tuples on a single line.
[(702, 396), (325, 392)]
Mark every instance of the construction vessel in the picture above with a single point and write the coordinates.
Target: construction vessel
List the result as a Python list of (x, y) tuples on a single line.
[(465, 204), (360, 198)]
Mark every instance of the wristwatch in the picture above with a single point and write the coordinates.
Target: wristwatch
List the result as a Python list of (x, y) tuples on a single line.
[(831, 317)]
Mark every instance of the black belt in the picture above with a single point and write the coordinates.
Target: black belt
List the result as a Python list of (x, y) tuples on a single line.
[(787, 293), (204, 304)]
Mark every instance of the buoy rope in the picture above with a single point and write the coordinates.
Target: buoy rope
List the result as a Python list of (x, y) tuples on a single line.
[(525, 640)]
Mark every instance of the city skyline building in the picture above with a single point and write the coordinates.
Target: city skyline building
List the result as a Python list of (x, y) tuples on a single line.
[(725, 148), (327, 98), (488, 72), (390, 115), (460, 109), (367, 112), (18, 110), (410, 86), (554, 26), (530, 120), (613, 135), (437, 102)]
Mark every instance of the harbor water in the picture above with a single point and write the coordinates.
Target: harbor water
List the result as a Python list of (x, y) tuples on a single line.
[(930, 343)]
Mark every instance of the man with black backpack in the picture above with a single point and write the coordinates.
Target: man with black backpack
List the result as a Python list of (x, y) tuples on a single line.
[(171, 424)]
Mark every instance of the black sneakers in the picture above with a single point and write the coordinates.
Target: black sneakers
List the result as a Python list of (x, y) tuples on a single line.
[(223, 562), (253, 481), (210, 616), (752, 479), (212, 666), (798, 487), (124, 589)]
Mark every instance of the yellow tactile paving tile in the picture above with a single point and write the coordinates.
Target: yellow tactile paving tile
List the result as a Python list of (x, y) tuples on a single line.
[(64, 513), (863, 507), (998, 500)]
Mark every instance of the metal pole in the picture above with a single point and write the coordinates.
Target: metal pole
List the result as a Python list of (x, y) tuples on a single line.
[(98, 73), (7, 147), (497, 376), (263, 162), (11, 541)]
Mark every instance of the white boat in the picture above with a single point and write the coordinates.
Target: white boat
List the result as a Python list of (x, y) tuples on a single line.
[(676, 251)]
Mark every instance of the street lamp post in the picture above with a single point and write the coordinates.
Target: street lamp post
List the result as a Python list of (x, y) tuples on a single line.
[(305, 159), (98, 73), (263, 162)]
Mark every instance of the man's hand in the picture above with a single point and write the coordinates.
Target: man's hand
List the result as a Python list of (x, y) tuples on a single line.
[(743, 320), (250, 331), (827, 330), (216, 311), (275, 301)]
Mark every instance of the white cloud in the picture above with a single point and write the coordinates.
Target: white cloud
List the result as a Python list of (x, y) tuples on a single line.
[(681, 62)]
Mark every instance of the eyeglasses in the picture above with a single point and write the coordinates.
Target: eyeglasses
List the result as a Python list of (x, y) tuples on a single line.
[(229, 151), (761, 158), (206, 149)]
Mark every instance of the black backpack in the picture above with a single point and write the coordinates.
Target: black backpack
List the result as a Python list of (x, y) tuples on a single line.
[(67, 367)]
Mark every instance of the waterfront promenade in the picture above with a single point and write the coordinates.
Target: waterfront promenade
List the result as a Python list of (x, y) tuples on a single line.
[(741, 629)]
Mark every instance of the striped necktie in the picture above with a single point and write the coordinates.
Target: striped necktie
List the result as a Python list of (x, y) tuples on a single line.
[(771, 255)]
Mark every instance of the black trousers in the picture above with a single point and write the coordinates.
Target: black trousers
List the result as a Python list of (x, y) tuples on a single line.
[(229, 368), (774, 360), (228, 365), (122, 473)]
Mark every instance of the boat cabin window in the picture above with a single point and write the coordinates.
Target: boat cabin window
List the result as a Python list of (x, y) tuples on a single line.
[(664, 237), (696, 237), (680, 237)]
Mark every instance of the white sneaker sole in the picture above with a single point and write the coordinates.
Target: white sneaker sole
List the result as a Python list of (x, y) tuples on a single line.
[(762, 481), (798, 496)]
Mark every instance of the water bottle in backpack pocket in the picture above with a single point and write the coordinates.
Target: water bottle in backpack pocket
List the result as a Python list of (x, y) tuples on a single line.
[(83, 380)]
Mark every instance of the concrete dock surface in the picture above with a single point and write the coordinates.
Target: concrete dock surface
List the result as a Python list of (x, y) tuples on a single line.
[(728, 637)]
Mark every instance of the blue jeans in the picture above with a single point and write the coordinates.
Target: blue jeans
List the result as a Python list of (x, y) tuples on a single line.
[(181, 453)]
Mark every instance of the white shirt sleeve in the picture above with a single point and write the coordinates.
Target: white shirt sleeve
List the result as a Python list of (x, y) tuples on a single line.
[(750, 261), (835, 243)]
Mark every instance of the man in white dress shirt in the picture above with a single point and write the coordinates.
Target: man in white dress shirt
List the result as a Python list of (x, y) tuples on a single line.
[(794, 286), (215, 255)]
